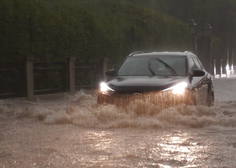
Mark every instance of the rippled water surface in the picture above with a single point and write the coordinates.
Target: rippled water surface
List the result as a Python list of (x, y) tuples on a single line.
[(73, 131)]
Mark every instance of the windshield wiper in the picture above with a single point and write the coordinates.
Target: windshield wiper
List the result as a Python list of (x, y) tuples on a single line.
[(168, 66), (150, 69)]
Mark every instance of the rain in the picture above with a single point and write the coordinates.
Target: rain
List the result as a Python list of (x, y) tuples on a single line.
[(53, 124)]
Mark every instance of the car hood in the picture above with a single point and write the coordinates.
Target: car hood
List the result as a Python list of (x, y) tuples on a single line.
[(143, 83)]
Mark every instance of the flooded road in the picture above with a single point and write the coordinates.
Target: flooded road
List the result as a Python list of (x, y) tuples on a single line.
[(74, 131)]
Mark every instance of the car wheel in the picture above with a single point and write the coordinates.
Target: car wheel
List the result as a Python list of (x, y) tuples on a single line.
[(210, 99), (100, 99), (192, 100)]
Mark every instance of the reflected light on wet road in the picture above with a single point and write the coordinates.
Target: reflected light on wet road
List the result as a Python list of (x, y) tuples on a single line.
[(101, 142), (180, 149), (143, 148)]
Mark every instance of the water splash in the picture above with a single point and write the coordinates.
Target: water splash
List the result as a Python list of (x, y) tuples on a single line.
[(82, 110)]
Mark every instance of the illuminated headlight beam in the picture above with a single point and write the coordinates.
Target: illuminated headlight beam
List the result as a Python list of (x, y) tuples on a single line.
[(178, 88), (104, 88)]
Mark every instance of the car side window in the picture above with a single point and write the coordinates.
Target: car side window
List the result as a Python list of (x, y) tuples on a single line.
[(197, 63), (191, 65)]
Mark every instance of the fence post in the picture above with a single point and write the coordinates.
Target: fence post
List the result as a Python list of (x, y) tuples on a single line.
[(232, 63), (104, 68), (221, 71), (30, 78), (214, 68), (227, 65), (71, 61)]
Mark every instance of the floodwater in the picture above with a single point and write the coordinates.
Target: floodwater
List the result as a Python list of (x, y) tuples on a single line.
[(74, 132)]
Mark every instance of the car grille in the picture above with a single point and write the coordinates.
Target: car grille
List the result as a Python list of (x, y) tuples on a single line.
[(158, 98)]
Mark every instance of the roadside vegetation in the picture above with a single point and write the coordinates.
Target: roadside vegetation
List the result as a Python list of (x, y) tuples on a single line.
[(88, 30)]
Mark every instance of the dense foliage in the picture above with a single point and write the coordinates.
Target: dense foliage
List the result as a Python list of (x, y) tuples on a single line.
[(221, 14), (92, 29), (88, 30)]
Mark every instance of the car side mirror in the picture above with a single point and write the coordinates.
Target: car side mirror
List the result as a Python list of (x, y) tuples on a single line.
[(111, 72), (198, 72)]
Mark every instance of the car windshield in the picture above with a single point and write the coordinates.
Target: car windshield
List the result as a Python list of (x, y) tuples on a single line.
[(153, 66)]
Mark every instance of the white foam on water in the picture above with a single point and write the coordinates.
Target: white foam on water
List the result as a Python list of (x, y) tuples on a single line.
[(82, 110), (56, 133)]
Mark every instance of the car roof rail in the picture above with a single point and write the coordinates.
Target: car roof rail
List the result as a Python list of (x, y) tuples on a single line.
[(135, 52), (186, 52)]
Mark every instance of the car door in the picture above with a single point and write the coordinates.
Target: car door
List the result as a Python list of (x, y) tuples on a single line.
[(200, 84)]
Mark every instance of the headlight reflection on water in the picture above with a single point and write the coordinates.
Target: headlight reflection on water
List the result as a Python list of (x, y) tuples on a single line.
[(145, 148), (180, 150), (102, 140)]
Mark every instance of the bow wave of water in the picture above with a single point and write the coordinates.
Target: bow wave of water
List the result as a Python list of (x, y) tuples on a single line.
[(82, 110), (74, 131)]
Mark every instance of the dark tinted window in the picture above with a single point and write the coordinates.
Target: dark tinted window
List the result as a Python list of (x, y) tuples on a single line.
[(149, 65)]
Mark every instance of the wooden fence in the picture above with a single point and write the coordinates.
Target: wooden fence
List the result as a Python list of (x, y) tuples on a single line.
[(30, 78)]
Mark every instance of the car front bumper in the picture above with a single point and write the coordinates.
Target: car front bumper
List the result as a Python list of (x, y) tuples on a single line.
[(158, 98)]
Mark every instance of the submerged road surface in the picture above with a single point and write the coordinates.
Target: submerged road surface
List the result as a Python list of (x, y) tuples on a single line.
[(75, 132)]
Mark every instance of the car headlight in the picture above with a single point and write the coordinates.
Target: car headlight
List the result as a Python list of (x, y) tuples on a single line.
[(104, 89), (178, 88)]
